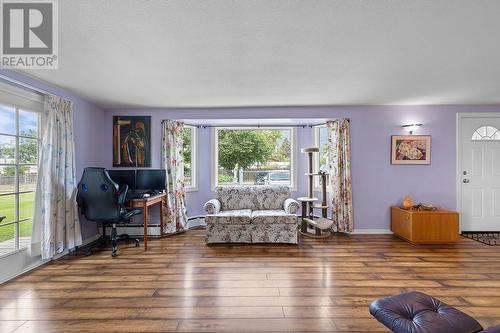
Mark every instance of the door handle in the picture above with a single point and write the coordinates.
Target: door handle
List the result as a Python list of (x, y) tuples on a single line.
[(466, 181)]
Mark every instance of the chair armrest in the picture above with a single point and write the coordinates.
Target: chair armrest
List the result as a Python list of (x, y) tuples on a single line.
[(122, 195), (291, 206), (212, 206)]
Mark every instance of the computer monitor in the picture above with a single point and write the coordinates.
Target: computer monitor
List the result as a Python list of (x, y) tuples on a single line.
[(123, 177), (150, 180)]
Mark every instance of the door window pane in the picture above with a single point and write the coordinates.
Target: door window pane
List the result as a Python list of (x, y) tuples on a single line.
[(28, 124), (27, 178), (8, 207), (25, 234), (7, 149), (26, 205), (7, 179), (7, 120), (28, 151), (7, 241), (19, 145)]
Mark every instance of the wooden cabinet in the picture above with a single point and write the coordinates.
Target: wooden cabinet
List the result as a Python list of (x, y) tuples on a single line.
[(425, 227)]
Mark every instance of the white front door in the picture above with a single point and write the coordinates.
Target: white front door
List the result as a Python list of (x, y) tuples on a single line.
[(479, 169)]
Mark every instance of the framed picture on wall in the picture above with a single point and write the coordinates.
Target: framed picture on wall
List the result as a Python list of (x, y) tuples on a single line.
[(132, 141), (411, 149)]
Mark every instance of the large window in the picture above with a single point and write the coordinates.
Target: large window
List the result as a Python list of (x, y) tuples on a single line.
[(254, 156), (320, 135), (189, 154), (19, 145)]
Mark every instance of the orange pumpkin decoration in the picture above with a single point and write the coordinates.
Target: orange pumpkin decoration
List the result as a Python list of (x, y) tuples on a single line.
[(407, 203)]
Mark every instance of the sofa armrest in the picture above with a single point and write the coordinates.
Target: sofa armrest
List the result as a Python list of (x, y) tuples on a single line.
[(212, 206), (291, 206)]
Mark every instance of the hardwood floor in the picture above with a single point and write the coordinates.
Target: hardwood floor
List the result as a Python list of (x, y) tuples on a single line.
[(182, 285)]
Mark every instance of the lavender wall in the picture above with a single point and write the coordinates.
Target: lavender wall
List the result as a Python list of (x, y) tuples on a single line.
[(89, 131), (376, 183)]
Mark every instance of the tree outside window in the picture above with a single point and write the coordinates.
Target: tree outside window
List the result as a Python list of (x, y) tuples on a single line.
[(188, 154), (254, 156)]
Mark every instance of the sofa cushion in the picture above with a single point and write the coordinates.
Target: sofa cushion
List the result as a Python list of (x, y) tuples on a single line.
[(416, 312), (272, 216), (270, 197), (254, 197), (238, 216), (235, 197)]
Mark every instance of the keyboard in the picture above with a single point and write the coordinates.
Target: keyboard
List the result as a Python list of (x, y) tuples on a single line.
[(141, 195)]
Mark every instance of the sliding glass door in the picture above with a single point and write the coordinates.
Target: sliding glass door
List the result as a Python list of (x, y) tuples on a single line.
[(19, 147)]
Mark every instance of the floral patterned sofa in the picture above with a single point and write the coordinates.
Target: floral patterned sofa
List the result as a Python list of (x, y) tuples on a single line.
[(252, 214)]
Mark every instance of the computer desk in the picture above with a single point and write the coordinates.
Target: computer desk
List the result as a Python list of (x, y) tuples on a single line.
[(145, 203)]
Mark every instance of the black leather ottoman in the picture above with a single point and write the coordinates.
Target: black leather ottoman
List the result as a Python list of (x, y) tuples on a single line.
[(416, 312)]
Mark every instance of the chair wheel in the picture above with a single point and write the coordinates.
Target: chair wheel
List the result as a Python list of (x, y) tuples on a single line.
[(88, 252), (136, 243), (113, 254)]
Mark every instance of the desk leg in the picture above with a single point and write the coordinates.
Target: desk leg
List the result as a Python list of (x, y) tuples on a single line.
[(145, 215), (162, 211)]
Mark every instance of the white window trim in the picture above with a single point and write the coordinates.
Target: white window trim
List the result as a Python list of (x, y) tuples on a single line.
[(194, 159), (293, 152), (20, 100), (315, 134)]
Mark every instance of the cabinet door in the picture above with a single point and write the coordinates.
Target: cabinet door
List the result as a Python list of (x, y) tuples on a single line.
[(401, 222)]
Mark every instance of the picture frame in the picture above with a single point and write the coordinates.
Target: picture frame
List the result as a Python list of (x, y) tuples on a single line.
[(132, 141), (410, 149)]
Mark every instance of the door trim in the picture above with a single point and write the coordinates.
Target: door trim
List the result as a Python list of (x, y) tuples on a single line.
[(458, 185)]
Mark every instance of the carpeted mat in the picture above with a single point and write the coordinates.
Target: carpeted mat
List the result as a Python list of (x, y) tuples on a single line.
[(488, 238)]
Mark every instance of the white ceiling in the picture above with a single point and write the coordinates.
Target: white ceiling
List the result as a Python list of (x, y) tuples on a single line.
[(218, 53)]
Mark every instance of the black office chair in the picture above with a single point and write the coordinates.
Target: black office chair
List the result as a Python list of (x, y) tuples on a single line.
[(101, 200)]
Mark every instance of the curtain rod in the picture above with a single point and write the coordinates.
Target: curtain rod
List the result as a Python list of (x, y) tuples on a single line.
[(257, 126), (23, 85)]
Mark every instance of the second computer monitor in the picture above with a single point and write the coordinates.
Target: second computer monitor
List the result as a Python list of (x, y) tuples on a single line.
[(123, 177), (150, 180)]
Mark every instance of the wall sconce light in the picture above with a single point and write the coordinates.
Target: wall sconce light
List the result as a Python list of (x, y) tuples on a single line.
[(411, 127)]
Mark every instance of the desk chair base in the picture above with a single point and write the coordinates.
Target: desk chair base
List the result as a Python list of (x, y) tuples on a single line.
[(115, 238)]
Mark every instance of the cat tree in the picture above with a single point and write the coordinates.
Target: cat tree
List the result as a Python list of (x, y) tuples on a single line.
[(310, 226)]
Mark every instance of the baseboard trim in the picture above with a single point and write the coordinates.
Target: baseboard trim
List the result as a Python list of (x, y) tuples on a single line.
[(43, 262), (84, 243), (91, 239), (372, 232), (26, 270), (196, 222)]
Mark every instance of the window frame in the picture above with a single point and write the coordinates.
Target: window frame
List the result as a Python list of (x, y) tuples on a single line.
[(316, 159), (215, 151), (20, 101), (476, 131), (193, 187)]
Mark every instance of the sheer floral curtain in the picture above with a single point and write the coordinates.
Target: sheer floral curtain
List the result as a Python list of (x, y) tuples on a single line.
[(56, 227), (339, 162), (172, 143)]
